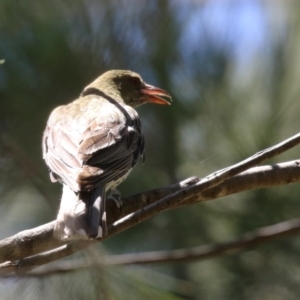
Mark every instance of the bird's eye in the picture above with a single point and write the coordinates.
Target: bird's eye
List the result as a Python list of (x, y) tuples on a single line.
[(136, 81)]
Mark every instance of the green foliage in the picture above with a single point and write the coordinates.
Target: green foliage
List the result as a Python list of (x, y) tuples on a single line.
[(230, 99)]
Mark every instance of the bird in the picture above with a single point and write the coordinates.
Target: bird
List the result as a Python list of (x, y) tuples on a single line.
[(91, 145)]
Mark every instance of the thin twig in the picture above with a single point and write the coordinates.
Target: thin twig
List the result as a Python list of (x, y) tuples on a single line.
[(250, 239)]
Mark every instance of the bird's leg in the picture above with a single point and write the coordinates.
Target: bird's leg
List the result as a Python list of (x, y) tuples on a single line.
[(116, 196)]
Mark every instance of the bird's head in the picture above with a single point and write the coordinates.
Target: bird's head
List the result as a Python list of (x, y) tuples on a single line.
[(128, 86)]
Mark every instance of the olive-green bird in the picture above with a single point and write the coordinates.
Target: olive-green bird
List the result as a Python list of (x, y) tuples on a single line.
[(92, 144)]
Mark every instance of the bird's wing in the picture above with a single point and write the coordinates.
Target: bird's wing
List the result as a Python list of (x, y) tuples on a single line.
[(96, 145)]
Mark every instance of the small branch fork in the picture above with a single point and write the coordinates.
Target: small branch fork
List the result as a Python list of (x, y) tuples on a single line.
[(32, 248)]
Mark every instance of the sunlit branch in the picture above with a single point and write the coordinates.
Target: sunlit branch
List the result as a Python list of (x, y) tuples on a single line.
[(21, 251)]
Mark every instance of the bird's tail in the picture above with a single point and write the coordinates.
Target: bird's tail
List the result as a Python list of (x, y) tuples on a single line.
[(81, 215)]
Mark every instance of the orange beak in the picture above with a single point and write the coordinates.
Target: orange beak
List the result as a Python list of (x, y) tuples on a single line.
[(152, 95)]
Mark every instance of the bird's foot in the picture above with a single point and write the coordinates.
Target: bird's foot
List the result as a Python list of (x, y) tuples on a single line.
[(117, 197)]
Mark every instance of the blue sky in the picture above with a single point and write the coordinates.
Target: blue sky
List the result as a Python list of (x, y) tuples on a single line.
[(239, 28)]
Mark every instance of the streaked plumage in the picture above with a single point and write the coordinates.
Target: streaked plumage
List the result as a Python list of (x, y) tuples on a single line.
[(91, 145)]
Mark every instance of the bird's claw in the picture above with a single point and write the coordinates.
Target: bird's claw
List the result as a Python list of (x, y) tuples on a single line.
[(116, 196)]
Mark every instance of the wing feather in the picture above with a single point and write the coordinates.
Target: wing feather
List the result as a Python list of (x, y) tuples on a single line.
[(85, 151)]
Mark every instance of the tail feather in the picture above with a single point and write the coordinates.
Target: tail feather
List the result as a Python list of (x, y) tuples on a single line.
[(97, 213), (81, 214)]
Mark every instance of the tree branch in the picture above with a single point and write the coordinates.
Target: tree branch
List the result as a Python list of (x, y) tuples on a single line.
[(218, 184), (259, 177), (249, 239)]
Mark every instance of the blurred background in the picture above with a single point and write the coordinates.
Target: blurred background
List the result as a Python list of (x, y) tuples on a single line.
[(233, 69)]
